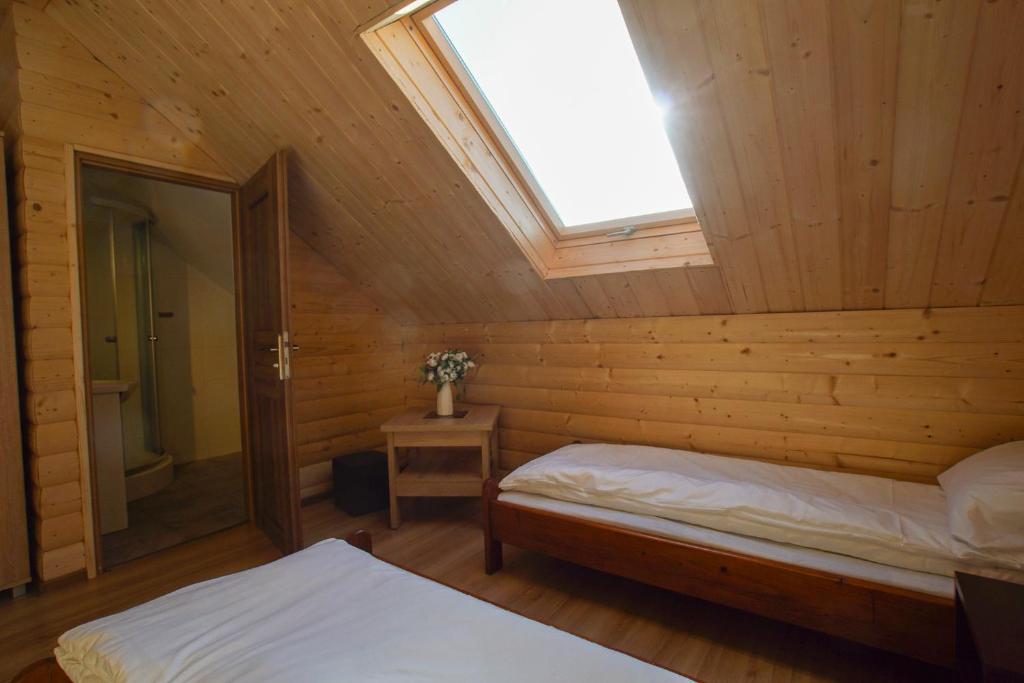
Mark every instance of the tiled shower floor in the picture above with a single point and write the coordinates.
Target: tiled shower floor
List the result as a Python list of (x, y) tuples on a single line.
[(206, 496)]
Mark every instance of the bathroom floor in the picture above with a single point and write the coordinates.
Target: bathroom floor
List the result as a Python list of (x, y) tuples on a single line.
[(206, 496)]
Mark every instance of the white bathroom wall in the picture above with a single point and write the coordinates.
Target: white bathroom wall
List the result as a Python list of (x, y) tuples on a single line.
[(193, 283)]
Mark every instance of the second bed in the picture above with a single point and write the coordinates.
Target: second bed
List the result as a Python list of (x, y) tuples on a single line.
[(864, 558)]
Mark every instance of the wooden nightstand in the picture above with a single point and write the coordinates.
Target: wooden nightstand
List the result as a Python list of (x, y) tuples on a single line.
[(446, 474), (989, 629)]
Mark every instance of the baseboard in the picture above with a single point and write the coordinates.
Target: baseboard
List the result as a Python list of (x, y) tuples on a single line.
[(41, 587), (316, 498)]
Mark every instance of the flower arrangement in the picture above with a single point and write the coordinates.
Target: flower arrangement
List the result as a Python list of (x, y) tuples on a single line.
[(444, 367)]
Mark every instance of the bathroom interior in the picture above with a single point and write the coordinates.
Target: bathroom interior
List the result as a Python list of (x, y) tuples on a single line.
[(161, 334)]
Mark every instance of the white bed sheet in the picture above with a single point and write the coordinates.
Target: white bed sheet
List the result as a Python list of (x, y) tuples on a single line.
[(333, 613), (891, 522)]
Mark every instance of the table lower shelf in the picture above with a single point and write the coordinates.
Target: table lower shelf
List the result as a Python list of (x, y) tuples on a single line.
[(448, 474)]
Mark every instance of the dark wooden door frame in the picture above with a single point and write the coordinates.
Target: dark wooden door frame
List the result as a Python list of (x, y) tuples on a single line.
[(136, 168)]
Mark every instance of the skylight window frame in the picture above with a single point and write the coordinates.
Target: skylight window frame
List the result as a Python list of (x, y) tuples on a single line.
[(405, 51), (642, 225)]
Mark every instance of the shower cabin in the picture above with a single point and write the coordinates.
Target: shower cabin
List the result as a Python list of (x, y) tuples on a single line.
[(123, 349), (159, 302)]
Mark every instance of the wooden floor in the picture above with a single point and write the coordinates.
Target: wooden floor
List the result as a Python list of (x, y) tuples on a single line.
[(441, 539)]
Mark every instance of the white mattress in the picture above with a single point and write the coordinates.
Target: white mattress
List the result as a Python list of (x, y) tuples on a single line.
[(888, 522), (844, 565), (333, 613)]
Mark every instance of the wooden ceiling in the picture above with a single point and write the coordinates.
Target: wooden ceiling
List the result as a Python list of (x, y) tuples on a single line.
[(843, 155)]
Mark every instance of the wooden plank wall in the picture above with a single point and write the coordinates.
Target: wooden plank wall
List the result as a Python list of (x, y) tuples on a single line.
[(901, 393), (894, 393), (53, 92), (852, 155), (348, 369), (63, 95)]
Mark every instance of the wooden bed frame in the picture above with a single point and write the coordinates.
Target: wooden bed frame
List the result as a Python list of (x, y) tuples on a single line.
[(907, 622), (49, 671)]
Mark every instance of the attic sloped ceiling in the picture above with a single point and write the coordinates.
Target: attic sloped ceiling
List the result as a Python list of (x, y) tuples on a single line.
[(849, 155)]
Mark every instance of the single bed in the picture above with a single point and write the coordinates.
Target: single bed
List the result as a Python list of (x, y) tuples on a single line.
[(863, 558), (328, 613)]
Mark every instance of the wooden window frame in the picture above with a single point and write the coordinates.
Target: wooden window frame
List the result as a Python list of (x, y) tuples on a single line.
[(416, 55)]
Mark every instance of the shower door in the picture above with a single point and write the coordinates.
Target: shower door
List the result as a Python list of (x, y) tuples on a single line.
[(143, 257)]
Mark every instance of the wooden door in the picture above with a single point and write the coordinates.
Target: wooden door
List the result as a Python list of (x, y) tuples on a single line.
[(263, 247)]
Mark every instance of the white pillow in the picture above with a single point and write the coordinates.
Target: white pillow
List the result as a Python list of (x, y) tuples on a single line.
[(985, 499)]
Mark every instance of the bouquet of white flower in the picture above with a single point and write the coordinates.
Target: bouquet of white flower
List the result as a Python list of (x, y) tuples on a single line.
[(443, 367)]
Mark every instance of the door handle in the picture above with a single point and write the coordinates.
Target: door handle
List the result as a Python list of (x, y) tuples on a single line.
[(284, 357), (283, 351)]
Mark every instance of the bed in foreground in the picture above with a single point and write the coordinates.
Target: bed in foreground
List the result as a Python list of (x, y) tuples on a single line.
[(328, 613), (863, 558)]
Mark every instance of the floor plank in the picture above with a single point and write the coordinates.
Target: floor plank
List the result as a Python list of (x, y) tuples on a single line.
[(441, 539), (29, 626)]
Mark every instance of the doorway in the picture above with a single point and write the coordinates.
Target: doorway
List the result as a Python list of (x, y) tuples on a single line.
[(161, 346)]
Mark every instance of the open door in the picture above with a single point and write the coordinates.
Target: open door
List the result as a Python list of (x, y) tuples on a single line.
[(263, 256)]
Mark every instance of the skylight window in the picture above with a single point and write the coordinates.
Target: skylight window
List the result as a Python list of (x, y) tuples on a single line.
[(563, 84)]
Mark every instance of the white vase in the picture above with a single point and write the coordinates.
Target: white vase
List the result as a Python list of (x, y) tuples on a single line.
[(444, 400)]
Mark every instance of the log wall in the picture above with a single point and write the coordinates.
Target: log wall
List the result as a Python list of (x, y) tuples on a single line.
[(54, 93), (60, 94), (895, 393), (348, 369), (902, 393)]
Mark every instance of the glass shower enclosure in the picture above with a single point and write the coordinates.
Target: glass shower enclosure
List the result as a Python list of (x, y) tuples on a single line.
[(123, 342), (146, 324)]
